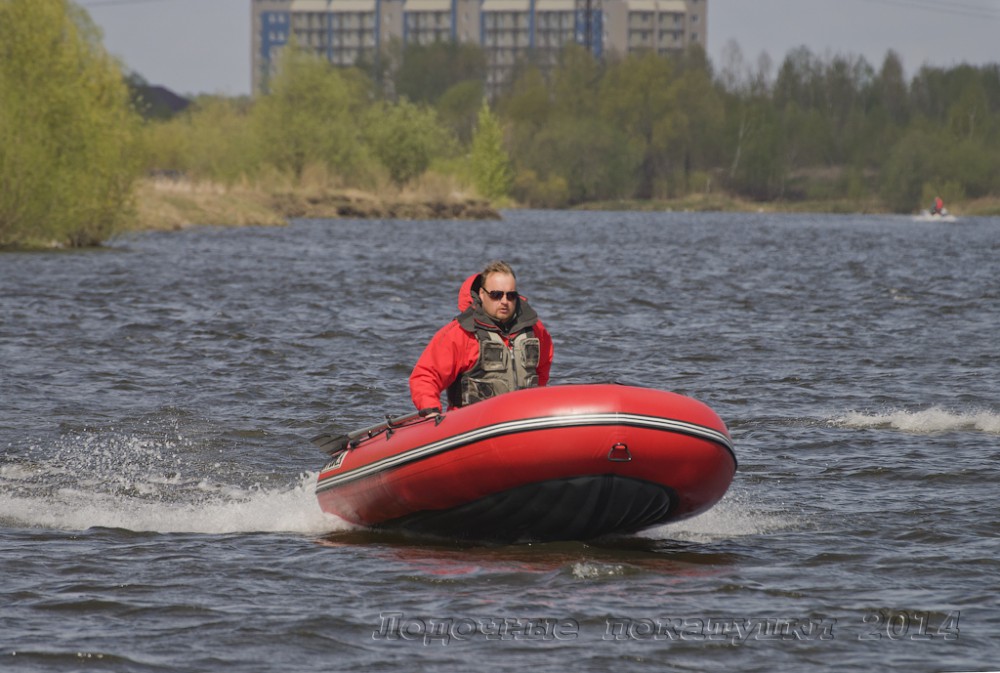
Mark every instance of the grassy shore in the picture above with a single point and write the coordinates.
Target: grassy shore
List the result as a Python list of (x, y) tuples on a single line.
[(166, 204)]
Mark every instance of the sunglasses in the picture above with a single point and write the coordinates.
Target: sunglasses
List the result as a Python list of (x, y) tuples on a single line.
[(497, 295)]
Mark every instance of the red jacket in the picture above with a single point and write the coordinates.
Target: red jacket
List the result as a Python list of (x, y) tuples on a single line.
[(454, 350)]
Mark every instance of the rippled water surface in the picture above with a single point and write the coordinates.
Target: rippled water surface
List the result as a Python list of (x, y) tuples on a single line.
[(157, 398)]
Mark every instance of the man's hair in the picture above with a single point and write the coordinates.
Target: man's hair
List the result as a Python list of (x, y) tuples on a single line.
[(497, 266)]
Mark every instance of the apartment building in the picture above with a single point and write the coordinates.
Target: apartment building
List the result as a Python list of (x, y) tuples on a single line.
[(349, 32), (666, 26)]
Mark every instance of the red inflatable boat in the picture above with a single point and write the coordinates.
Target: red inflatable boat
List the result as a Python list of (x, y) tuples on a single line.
[(553, 463)]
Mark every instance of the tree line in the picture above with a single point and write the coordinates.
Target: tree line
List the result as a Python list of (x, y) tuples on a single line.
[(640, 126), (341, 126), (73, 139)]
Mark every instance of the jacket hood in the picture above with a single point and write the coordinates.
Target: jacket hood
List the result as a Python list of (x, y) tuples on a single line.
[(468, 294)]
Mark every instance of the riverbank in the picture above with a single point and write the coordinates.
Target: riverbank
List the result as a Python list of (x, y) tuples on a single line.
[(718, 202), (168, 204)]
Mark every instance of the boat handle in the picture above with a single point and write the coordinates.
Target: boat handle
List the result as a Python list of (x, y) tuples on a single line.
[(619, 453)]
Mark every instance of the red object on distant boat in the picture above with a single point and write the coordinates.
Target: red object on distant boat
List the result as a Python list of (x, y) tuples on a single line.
[(569, 462)]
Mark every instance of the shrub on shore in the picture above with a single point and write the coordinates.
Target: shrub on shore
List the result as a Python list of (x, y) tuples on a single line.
[(67, 131)]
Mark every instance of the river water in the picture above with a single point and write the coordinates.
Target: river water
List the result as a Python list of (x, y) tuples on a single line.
[(156, 475)]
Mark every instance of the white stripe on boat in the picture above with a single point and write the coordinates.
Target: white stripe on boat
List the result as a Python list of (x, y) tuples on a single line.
[(525, 425)]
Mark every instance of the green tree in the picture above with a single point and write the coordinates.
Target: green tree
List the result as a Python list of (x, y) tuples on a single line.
[(697, 143), (758, 168), (526, 103), (639, 96), (458, 107), (311, 115), (67, 131), (405, 138), (426, 72), (214, 139), (595, 159), (526, 107), (491, 168), (972, 165), (969, 115), (808, 137), (930, 93), (914, 161), (893, 93), (575, 83), (799, 81)]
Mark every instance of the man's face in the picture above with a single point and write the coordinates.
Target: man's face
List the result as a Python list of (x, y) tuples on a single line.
[(503, 308)]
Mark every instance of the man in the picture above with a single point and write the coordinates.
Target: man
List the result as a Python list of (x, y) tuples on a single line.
[(495, 345)]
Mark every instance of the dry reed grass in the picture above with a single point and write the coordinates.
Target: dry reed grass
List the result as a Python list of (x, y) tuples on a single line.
[(169, 204), (165, 203)]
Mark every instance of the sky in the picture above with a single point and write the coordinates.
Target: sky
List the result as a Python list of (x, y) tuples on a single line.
[(203, 46)]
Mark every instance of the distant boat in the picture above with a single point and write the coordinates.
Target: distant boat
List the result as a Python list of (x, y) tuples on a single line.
[(941, 216)]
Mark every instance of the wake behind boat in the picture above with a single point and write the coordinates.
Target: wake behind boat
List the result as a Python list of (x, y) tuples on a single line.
[(551, 463)]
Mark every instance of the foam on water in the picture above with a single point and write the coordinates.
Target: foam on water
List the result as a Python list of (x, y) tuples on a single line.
[(292, 509), (589, 570), (739, 514), (116, 481), (930, 420)]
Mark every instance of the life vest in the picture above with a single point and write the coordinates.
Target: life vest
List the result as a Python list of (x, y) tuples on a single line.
[(499, 369)]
